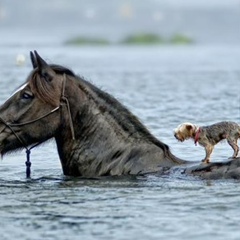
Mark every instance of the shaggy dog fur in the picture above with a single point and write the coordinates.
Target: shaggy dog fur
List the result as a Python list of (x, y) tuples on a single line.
[(209, 136)]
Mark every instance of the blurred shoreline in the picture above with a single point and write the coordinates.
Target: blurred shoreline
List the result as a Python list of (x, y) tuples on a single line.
[(208, 22)]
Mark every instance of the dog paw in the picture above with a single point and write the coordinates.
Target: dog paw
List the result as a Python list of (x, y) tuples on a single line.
[(205, 161)]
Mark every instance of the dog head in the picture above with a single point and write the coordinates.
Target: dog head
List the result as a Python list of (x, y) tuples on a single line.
[(185, 131)]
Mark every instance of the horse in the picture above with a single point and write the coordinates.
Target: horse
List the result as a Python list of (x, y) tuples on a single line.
[(95, 134)]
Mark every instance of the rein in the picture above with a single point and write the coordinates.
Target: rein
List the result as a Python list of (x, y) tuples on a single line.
[(28, 150)]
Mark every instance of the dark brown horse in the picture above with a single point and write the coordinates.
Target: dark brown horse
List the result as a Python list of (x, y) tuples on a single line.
[(95, 134)]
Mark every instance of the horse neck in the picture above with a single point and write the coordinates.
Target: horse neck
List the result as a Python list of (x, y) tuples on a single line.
[(97, 132), (95, 141), (86, 119)]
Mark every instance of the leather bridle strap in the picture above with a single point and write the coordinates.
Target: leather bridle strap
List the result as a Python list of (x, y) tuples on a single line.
[(64, 99), (15, 134), (35, 120)]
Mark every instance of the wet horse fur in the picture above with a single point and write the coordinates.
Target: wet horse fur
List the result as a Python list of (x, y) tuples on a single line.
[(109, 140)]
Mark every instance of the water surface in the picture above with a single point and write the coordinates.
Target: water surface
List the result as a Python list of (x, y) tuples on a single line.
[(163, 86)]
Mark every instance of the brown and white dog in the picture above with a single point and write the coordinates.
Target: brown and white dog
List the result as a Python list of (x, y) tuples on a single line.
[(209, 136)]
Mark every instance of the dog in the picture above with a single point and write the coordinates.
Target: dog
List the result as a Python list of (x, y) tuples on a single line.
[(209, 136)]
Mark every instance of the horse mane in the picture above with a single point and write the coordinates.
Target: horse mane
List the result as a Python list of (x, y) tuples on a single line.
[(62, 70), (125, 119)]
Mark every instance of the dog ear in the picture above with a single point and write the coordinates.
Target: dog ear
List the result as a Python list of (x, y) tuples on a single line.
[(189, 127)]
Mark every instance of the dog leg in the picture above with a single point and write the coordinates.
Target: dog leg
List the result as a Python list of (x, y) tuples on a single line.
[(233, 144), (208, 150)]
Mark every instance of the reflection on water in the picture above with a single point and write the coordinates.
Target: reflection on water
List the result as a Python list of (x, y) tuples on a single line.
[(163, 86)]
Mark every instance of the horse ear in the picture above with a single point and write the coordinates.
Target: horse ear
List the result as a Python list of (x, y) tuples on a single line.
[(40, 62), (33, 60), (44, 70)]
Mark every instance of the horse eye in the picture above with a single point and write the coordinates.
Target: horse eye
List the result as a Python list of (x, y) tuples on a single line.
[(27, 95)]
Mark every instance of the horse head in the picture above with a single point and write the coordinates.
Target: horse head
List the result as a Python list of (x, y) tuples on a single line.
[(34, 106)]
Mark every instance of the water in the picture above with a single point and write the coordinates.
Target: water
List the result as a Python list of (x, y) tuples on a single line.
[(164, 86)]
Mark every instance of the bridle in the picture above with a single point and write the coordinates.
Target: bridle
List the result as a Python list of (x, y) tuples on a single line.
[(63, 101)]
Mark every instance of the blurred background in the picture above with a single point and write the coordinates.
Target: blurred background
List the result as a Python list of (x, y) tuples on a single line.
[(203, 22)]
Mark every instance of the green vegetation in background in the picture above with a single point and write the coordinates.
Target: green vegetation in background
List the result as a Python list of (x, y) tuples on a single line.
[(137, 39), (143, 39), (87, 41), (180, 39)]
